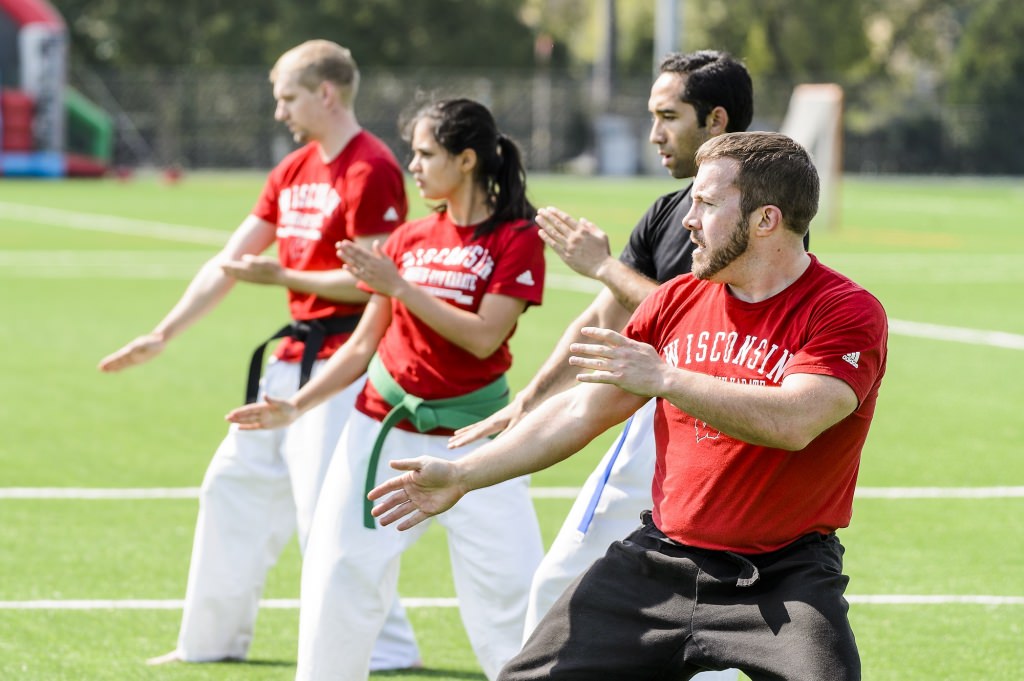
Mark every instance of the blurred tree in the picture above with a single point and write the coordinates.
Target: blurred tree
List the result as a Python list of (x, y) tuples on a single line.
[(986, 94), (484, 33), (434, 33), (793, 40), (153, 33)]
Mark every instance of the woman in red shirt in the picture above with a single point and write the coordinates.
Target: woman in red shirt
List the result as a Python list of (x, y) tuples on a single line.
[(447, 292)]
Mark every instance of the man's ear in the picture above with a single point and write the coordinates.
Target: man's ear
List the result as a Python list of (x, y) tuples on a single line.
[(767, 220), (716, 121), (327, 91)]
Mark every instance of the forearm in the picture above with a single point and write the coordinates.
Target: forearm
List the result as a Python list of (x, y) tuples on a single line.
[(786, 417), (212, 283), (350, 361), (337, 373), (480, 333), (629, 287), (336, 284), (205, 291), (558, 428), (556, 374)]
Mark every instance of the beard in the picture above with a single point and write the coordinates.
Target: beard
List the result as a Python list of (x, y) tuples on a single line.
[(709, 263)]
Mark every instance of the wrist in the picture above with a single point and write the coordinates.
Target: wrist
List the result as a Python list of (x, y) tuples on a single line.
[(462, 477), (401, 289), (605, 270), (526, 399), (294, 405)]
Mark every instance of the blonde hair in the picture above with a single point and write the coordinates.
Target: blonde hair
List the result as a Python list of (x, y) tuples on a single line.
[(315, 61)]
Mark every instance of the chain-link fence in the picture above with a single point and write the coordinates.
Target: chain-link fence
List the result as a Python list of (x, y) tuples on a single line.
[(223, 118)]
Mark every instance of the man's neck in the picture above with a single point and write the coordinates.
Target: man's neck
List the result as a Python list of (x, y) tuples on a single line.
[(339, 134), (770, 278)]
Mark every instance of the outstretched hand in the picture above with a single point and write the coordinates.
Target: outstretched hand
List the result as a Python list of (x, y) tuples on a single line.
[(579, 243), (270, 413), (496, 423), (139, 351), (617, 360), (429, 487), (371, 266)]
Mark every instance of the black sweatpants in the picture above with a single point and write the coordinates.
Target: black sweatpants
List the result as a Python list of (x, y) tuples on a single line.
[(653, 609)]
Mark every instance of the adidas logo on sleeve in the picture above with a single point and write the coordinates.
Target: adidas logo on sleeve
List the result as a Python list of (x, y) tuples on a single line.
[(852, 358), (391, 215), (526, 278)]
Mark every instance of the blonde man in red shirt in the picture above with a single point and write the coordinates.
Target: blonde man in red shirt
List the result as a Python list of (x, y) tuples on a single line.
[(260, 488)]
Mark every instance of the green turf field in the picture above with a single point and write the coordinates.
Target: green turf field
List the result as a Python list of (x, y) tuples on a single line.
[(89, 586)]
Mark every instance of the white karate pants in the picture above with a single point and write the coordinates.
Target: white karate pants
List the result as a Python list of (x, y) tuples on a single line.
[(260, 487), (350, 573)]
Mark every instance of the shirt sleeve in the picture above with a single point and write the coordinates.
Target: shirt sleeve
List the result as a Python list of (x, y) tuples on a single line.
[(519, 272), (848, 341), (266, 205), (375, 201)]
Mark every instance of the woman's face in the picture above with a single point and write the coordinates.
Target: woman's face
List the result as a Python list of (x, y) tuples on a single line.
[(437, 172)]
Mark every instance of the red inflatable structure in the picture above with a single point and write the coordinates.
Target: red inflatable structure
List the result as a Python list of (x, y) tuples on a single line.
[(38, 112)]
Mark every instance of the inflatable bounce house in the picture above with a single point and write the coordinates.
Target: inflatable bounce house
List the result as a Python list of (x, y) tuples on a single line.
[(47, 129)]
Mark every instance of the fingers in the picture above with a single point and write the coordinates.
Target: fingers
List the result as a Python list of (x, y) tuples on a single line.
[(240, 415), (412, 516), (594, 363), (606, 336), (112, 362), (350, 251), (253, 269), (357, 259), (472, 433), (255, 416), (397, 507), (592, 350), (386, 503), (412, 520), (387, 487), (555, 226), (550, 241), (395, 504), (138, 351)]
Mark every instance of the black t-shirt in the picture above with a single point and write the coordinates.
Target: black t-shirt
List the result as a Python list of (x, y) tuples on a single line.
[(659, 246)]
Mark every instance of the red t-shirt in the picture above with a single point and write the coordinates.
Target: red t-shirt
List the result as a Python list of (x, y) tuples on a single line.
[(445, 260), (315, 204), (716, 492)]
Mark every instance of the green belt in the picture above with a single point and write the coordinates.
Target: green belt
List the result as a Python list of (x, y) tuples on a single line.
[(425, 415)]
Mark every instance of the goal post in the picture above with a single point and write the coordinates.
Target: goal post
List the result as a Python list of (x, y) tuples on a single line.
[(815, 120)]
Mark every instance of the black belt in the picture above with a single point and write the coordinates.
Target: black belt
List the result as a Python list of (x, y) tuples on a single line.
[(312, 332)]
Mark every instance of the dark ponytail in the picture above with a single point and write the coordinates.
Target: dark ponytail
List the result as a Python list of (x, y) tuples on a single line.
[(461, 124)]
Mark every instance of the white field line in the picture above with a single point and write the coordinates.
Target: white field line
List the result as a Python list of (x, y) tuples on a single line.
[(293, 603), (148, 493), (65, 264), (184, 264), (95, 222), (996, 339)]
